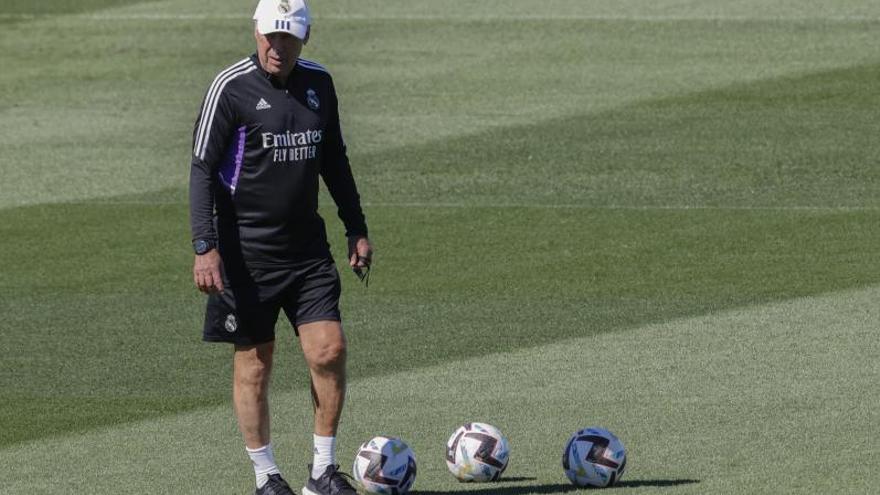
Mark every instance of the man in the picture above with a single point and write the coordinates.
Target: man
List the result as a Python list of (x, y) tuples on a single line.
[(268, 127)]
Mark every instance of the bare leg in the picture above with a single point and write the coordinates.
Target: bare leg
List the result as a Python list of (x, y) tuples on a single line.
[(324, 348), (252, 367)]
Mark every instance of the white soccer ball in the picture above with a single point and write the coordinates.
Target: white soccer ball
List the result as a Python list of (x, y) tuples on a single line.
[(385, 465), (594, 457), (477, 452)]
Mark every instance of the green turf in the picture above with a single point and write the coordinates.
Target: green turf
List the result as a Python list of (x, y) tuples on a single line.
[(626, 166), (127, 313), (129, 86), (724, 403), (58, 7)]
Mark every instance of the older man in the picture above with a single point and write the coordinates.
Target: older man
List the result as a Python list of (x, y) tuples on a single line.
[(268, 127)]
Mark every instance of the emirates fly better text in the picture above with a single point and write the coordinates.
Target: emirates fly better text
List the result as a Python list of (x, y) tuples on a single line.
[(293, 146)]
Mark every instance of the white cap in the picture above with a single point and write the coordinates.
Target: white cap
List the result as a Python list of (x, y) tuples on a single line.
[(285, 16)]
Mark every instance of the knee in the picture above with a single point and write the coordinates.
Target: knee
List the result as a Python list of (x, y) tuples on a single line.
[(328, 356), (253, 374), (252, 368)]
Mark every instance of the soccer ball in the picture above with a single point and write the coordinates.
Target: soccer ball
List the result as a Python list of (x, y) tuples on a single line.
[(385, 465), (594, 457), (477, 452)]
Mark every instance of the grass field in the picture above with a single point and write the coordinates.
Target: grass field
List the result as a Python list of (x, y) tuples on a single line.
[(659, 217)]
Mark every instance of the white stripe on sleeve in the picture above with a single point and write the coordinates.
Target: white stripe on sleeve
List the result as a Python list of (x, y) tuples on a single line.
[(210, 97), (213, 108)]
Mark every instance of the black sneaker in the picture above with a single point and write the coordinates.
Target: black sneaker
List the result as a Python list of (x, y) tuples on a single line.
[(332, 482), (275, 486)]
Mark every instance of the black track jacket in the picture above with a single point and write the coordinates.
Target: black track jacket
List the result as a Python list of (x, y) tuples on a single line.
[(258, 148)]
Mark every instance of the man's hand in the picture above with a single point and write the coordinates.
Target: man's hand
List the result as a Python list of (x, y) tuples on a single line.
[(206, 272), (360, 254)]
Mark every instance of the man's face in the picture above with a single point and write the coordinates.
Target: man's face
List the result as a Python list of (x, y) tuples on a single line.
[(278, 52)]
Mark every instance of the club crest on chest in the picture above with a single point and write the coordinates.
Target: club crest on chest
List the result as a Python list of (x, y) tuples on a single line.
[(312, 99)]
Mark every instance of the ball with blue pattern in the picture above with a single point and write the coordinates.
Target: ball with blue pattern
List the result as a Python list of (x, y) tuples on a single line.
[(385, 465), (594, 457), (477, 452)]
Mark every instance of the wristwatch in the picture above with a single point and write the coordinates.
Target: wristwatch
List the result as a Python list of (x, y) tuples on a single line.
[(202, 246)]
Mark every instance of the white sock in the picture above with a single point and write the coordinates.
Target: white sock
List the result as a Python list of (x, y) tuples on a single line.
[(325, 455), (264, 463)]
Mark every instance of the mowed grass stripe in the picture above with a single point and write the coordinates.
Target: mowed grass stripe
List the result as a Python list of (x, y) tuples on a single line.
[(792, 141), (693, 399), (796, 142), (102, 328)]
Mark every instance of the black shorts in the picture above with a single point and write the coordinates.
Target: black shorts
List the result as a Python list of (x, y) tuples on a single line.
[(247, 310)]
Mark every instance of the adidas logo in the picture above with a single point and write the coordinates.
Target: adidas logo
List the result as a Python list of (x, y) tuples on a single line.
[(262, 105)]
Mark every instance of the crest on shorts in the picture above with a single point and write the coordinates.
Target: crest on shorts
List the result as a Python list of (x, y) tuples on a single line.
[(231, 324), (284, 7), (312, 99)]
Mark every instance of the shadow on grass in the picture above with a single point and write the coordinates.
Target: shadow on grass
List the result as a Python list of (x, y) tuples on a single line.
[(553, 488), (656, 483), (506, 490)]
